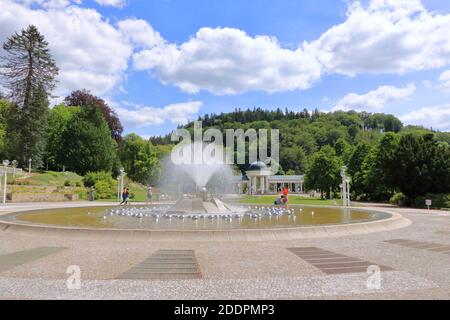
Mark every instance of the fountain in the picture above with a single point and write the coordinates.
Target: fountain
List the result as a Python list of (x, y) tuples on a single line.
[(198, 203), (197, 185)]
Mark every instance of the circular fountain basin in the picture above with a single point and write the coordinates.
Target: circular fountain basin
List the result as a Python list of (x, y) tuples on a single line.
[(96, 217), (301, 222)]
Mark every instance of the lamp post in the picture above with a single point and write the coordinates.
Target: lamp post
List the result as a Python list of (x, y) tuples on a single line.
[(344, 185), (14, 165), (348, 180), (118, 188), (29, 165), (122, 174), (5, 164)]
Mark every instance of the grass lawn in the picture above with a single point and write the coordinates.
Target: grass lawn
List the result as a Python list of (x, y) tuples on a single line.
[(268, 200), (51, 178)]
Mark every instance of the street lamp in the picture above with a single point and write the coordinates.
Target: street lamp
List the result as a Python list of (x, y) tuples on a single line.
[(118, 188), (348, 180), (5, 164), (344, 185), (122, 174), (14, 164)]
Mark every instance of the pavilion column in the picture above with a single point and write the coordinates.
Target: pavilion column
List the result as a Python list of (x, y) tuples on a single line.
[(266, 184), (261, 185), (249, 185), (255, 185)]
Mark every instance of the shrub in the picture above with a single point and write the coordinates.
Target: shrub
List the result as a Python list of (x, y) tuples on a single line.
[(104, 185), (438, 200), (398, 199), (103, 190), (91, 178), (67, 183)]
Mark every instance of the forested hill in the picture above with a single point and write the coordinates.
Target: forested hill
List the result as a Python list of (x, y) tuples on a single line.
[(304, 132)]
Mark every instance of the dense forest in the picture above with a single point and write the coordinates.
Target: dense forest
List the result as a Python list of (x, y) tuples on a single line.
[(385, 159)]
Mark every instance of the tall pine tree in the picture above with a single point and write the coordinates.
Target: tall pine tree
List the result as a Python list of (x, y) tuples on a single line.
[(29, 72)]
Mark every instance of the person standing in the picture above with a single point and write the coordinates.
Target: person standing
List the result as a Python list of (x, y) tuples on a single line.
[(149, 195), (125, 196), (285, 194)]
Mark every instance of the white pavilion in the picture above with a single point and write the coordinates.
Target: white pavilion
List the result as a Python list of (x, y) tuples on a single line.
[(260, 179)]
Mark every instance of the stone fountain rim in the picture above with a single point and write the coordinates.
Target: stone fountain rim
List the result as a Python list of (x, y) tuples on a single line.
[(394, 221)]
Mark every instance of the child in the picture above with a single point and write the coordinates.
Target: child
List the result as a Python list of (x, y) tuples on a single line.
[(278, 201)]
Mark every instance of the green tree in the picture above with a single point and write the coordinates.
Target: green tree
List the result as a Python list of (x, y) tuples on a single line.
[(355, 168), (86, 143), (386, 163), (323, 171), (83, 98), (293, 158), (57, 121), (422, 165), (371, 178), (29, 72), (140, 159), (4, 110)]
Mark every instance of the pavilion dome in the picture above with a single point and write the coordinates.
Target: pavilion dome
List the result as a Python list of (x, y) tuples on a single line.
[(258, 165)]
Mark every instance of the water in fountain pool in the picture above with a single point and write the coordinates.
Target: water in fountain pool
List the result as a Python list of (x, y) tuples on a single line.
[(157, 217)]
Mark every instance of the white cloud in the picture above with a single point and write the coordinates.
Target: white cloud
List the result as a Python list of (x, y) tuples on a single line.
[(444, 79), (50, 4), (140, 116), (228, 61), (90, 52), (140, 33), (437, 117), (387, 36), (112, 3), (376, 99)]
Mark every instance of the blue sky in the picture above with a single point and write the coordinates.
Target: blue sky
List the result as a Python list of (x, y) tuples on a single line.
[(160, 63)]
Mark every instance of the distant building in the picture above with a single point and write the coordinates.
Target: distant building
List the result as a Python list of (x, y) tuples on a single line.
[(259, 179)]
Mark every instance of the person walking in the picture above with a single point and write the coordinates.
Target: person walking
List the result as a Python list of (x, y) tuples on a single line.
[(125, 196), (285, 196), (149, 195)]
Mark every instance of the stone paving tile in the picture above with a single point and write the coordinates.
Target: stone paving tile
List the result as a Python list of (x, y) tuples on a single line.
[(434, 247), (333, 263), (444, 232), (11, 260), (165, 264), (233, 270), (269, 288)]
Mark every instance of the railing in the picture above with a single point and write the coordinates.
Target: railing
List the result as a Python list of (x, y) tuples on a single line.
[(16, 171)]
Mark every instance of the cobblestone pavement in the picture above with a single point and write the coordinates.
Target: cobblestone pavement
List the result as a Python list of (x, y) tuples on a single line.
[(236, 270)]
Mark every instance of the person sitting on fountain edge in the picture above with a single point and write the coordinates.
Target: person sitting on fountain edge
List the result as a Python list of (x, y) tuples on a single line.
[(278, 200)]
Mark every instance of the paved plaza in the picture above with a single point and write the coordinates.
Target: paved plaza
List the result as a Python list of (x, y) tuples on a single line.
[(414, 263)]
